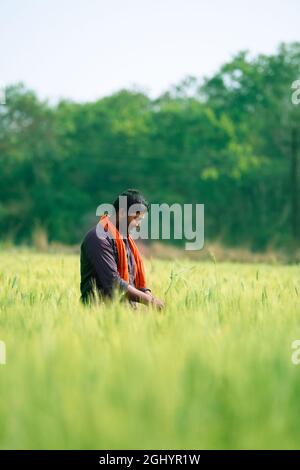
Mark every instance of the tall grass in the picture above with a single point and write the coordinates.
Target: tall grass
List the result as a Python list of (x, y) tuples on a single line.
[(213, 370)]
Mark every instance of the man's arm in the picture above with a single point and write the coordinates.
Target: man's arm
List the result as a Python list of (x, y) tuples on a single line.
[(144, 297), (101, 255)]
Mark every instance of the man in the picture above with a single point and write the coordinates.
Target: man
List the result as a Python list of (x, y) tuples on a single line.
[(110, 258)]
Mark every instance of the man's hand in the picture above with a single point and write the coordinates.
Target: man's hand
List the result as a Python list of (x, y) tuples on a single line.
[(144, 297), (159, 304)]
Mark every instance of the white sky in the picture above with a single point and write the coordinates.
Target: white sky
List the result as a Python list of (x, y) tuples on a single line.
[(85, 49)]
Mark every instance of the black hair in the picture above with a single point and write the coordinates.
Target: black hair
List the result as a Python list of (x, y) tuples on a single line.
[(133, 197)]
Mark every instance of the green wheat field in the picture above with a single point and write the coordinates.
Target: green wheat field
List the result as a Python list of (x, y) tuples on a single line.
[(213, 370)]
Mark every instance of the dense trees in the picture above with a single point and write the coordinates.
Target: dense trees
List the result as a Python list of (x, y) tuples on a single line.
[(225, 142)]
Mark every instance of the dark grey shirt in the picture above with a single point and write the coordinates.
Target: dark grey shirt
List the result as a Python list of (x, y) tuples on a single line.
[(99, 266)]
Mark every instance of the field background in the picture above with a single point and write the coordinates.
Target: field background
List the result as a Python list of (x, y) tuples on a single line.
[(212, 371), (190, 103)]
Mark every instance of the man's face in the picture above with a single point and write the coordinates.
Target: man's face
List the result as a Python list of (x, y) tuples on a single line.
[(134, 221)]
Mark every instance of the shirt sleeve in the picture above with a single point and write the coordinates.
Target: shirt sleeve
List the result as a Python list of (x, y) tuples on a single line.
[(101, 255), (145, 289)]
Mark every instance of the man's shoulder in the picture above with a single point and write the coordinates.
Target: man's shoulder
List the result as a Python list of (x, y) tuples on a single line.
[(97, 236)]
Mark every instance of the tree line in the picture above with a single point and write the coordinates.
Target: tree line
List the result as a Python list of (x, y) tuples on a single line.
[(229, 141)]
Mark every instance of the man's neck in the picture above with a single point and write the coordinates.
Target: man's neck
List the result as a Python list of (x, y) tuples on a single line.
[(122, 230)]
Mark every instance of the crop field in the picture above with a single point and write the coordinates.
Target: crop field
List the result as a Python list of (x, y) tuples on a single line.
[(213, 370)]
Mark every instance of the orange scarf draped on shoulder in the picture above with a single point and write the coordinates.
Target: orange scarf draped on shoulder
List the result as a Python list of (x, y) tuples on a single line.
[(139, 274)]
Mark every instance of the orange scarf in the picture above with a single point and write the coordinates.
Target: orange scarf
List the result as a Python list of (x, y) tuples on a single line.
[(139, 275)]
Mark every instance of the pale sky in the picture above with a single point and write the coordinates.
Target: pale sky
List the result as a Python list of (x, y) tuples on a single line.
[(86, 49)]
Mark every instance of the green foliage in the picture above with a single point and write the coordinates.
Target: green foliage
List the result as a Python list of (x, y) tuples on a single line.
[(224, 142), (213, 370)]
